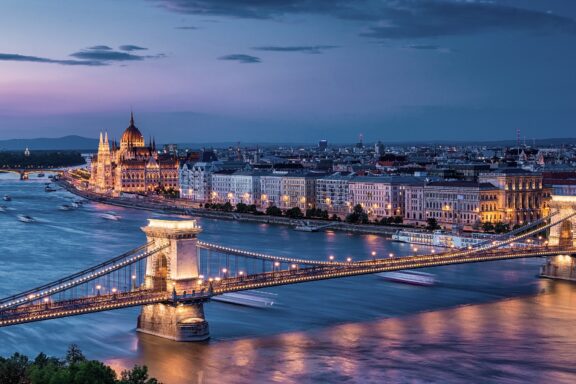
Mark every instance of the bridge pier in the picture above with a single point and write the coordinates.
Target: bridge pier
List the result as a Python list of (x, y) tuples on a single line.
[(174, 270), (561, 267)]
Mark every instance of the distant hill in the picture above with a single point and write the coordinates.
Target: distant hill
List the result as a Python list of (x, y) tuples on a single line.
[(72, 142)]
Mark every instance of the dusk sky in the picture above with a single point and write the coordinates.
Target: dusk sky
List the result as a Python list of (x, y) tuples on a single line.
[(289, 70)]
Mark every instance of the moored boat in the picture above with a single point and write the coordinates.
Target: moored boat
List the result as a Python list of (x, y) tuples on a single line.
[(65, 207)]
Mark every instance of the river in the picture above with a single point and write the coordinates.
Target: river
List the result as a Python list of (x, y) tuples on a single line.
[(489, 322)]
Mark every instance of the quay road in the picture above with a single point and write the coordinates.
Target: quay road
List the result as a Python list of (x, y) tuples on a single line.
[(180, 206), (198, 290)]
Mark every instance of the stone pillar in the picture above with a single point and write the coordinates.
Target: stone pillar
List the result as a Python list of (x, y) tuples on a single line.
[(176, 268), (562, 267)]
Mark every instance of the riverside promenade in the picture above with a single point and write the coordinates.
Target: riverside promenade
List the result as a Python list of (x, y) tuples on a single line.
[(183, 207)]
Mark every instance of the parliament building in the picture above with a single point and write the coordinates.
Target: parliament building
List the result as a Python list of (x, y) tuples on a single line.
[(132, 166)]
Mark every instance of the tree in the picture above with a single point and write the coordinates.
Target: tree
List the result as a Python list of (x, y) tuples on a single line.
[(241, 208), (273, 211), (398, 219), (432, 224), (487, 227), (358, 216), (138, 375), (500, 227), (294, 213), (74, 355), (227, 207)]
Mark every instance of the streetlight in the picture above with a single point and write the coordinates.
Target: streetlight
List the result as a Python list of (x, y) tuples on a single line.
[(390, 255), (98, 288), (348, 259), (224, 271), (331, 257)]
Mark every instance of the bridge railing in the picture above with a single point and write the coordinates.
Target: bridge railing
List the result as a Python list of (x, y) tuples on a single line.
[(73, 284)]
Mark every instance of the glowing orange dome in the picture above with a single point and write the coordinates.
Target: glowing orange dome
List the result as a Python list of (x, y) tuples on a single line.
[(132, 136)]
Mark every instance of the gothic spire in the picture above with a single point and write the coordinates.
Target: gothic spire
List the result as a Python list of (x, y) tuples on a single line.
[(131, 118)]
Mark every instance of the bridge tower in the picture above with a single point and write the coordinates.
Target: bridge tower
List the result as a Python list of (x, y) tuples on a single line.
[(562, 267), (174, 270)]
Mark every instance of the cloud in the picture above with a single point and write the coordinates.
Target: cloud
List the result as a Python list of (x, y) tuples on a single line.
[(36, 59), (188, 28), (106, 56), (100, 48), (392, 19), (313, 49), (429, 47), (241, 58), (130, 48), (98, 55)]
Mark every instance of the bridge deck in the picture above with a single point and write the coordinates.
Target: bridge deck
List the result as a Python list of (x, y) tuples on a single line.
[(203, 290)]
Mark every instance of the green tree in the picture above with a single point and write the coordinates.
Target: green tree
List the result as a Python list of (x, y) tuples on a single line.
[(273, 211), (432, 224), (227, 207), (488, 227), (241, 208), (500, 227), (294, 213), (74, 355), (138, 375), (358, 216)]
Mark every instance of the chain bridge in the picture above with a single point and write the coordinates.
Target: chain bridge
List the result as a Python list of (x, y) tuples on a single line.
[(174, 273)]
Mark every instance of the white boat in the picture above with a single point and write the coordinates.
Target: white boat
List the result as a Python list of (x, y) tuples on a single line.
[(76, 205), (3, 208), (49, 189), (248, 298), (440, 238), (409, 277), (65, 207), (305, 228), (110, 216), (6, 198), (26, 218)]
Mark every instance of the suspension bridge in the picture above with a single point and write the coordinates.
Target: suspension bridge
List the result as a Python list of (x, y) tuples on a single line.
[(174, 273)]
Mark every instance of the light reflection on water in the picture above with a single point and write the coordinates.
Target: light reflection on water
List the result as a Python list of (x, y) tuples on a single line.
[(491, 322)]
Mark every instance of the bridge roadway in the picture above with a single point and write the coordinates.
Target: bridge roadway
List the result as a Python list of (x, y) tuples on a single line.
[(200, 290)]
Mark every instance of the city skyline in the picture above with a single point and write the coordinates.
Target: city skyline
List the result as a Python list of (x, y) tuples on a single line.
[(290, 70)]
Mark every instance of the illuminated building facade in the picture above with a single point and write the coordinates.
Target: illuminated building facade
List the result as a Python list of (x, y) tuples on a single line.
[(131, 167)]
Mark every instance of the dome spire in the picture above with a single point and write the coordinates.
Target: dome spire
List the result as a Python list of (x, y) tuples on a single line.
[(131, 118)]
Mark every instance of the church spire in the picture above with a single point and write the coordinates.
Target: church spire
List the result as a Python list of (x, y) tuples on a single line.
[(101, 143), (106, 138), (131, 118)]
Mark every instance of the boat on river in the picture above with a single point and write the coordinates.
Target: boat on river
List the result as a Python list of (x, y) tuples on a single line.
[(49, 189), (3, 208), (65, 207), (409, 277), (26, 218), (257, 299), (6, 198), (441, 238), (112, 216)]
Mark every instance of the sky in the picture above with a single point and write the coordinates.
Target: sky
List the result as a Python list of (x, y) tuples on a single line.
[(199, 71)]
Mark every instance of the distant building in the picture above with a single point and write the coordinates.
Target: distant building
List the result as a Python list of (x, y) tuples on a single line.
[(462, 204), (333, 193), (133, 166), (523, 198), (322, 145)]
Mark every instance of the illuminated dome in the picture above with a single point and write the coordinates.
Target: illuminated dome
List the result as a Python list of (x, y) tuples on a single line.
[(132, 136)]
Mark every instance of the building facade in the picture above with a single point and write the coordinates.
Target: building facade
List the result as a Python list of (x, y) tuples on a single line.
[(523, 198), (461, 204), (132, 167)]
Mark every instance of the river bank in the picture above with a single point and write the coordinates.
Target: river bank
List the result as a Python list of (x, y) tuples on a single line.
[(180, 207)]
